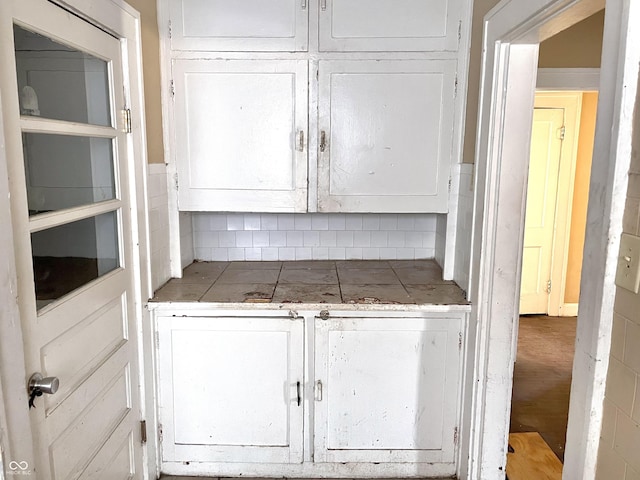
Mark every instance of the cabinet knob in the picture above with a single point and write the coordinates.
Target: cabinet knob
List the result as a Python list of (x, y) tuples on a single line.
[(323, 140), (319, 390)]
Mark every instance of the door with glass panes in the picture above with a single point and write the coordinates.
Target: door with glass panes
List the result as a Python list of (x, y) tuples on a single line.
[(68, 163)]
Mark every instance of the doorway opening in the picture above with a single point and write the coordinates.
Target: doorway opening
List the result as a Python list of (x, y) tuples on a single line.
[(512, 35), (562, 138), (555, 220)]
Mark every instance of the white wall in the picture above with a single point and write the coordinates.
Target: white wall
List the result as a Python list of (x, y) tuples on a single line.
[(620, 438)]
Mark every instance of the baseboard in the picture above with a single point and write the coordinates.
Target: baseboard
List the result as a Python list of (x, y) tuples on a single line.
[(569, 310)]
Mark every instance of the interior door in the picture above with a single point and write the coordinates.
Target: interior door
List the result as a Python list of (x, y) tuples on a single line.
[(537, 256), (68, 165)]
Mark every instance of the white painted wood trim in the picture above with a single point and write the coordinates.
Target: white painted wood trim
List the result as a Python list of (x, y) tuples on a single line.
[(569, 310), (585, 79), (175, 263), (451, 254), (502, 151)]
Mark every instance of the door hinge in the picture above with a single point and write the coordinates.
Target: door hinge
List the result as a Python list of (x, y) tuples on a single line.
[(160, 433), (561, 132), (126, 120), (455, 87), (169, 29), (459, 32), (549, 286), (175, 177), (172, 89), (455, 436), (143, 431), (459, 340)]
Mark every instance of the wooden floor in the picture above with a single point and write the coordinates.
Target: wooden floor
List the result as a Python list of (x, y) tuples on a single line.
[(542, 378), (531, 458)]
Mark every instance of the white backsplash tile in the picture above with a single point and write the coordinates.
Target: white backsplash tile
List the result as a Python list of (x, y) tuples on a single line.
[(159, 225), (313, 236)]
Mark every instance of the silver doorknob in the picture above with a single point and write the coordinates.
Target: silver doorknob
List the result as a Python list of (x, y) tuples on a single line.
[(48, 385)]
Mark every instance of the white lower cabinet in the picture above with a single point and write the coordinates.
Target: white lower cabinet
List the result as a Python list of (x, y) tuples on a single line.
[(386, 389), (230, 389), (354, 395)]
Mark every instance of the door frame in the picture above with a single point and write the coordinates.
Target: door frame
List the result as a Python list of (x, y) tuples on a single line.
[(122, 21), (512, 33)]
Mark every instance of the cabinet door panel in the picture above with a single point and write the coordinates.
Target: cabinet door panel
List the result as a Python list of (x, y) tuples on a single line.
[(227, 25), (229, 389), (390, 25), (405, 371), (238, 126), (388, 130)]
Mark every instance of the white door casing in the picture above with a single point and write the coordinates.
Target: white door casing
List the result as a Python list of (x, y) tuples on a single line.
[(88, 338), (537, 255)]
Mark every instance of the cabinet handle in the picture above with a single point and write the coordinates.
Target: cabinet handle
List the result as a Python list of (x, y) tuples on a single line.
[(299, 397), (304, 4), (323, 5), (301, 141), (319, 390), (323, 141)]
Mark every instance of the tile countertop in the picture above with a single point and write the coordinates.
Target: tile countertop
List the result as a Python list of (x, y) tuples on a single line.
[(372, 282)]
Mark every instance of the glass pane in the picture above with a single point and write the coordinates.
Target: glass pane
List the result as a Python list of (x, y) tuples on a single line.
[(71, 255), (64, 171), (59, 82)]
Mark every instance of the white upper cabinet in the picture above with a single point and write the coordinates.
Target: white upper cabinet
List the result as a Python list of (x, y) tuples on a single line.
[(250, 25), (385, 133), (389, 25), (369, 85), (241, 142)]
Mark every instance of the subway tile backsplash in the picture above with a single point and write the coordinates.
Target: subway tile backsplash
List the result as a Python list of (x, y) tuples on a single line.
[(313, 236)]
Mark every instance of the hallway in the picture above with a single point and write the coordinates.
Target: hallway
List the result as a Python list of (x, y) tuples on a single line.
[(542, 378)]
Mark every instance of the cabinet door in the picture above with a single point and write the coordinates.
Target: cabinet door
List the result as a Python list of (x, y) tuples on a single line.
[(389, 389), (228, 25), (387, 128), (240, 135), (390, 25), (230, 389)]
